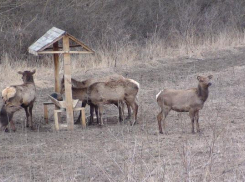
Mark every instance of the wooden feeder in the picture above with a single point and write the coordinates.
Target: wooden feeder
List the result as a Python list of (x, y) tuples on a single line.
[(49, 44)]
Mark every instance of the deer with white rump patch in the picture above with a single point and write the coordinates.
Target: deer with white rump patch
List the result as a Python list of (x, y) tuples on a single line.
[(190, 100), (80, 88), (16, 97), (122, 90)]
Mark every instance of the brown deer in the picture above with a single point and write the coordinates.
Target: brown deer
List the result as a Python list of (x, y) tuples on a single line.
[(122, 90), (88, 82), (191, 100), (17, 96), (79, 91)]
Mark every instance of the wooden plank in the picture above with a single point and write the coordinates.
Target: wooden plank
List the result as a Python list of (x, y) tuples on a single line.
[(83, 118), (82, 44), (52, 36), (68, 91), (57, 30), (56, 119), (56, 102), (63, 103), (48, 103), (71, 46), (45, 108), (56, 68), (56, 73), (63, 52)]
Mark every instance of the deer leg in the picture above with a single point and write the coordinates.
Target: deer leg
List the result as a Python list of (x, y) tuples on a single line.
[(136, 110), (197, 121), (121, 110), (4, 128), (192, 116), (129, 111), (92, 108), (30, 115), (159, 119), (12, 125), (100, 115), (27, 117), (134, 106), (162, 116), (118, 104), (96, 113), (122, 105)]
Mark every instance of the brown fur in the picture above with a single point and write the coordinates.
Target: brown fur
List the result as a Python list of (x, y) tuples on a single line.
[(88, 82), (19, 96), (79, 91), (191, 100), (102, 93)]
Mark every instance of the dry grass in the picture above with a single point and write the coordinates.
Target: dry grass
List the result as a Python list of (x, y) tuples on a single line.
[(119, 152), (127, 55)]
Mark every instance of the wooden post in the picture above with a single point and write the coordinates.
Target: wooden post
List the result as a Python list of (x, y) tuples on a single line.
[(56, 67), (56, 72), (68, 91), (45, 108), (56, 119), (83, 122)]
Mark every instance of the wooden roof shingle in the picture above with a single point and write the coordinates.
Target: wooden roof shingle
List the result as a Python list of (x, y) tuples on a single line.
[(50, 37)]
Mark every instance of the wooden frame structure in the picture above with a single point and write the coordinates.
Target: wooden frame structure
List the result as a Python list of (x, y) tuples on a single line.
[(49, 44)]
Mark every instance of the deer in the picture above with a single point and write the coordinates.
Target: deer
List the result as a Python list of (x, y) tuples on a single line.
[(191, 100), (79, 91), (16, 97), (122, 90), (81, 94), (88, 82)]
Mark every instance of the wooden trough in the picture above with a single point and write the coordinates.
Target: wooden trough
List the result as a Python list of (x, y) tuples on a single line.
[(62, 107), (56, 41)]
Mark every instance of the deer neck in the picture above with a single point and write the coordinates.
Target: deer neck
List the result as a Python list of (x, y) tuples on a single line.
[(202, 92), (29, 80)]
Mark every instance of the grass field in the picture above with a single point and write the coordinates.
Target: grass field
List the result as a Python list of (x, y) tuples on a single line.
[(120, 152)]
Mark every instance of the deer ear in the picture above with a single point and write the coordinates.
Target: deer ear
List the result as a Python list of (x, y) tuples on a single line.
[(20, 72), (198, 78), (210, 76), (34, 71)]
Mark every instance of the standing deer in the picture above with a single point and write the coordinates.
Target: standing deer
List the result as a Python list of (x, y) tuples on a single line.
[(122, 90), (191, 100), (79, 91), (17, 96), (88, 82)]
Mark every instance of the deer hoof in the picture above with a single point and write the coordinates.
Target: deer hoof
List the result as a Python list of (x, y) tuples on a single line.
[(133, 123), (77, 122)]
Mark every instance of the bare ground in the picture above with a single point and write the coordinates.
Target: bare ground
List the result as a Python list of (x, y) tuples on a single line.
[(120, 152)]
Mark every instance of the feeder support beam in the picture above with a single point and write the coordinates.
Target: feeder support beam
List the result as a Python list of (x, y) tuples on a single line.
[(68, 91)]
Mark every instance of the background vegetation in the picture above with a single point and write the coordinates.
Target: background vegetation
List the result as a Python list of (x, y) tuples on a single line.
[(169, 43), (110, 25)]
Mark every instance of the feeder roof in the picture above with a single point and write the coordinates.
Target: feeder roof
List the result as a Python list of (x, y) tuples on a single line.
[(50, 37)]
